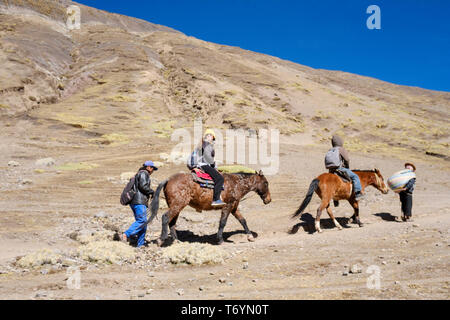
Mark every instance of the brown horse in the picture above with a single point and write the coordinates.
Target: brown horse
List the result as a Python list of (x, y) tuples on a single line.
[(329, 186), (180, 190)]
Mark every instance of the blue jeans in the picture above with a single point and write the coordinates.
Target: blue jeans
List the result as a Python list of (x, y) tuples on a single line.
[(355, 179), (139, 227)]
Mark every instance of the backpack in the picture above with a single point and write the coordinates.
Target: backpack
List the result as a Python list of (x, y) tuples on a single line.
[(193, 159), (128, 192), (333, 158)]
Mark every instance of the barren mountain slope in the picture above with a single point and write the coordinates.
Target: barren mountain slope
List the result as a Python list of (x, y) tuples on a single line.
[(127, 77)]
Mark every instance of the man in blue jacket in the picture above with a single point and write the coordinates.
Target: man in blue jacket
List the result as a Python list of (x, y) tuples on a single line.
[(139, 204)]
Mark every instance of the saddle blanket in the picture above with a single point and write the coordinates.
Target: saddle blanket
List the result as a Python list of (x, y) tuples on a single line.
[(203, 179), (202, 175)]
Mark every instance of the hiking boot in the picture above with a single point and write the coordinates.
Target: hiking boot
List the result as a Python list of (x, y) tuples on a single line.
[(217, 203)]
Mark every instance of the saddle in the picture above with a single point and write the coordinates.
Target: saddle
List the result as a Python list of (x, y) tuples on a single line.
[(202, 178), (342, 175)]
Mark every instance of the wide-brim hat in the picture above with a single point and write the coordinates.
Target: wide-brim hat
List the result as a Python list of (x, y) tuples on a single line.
[(410, 164)]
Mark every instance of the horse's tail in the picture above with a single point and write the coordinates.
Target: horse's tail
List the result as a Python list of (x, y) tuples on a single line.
[(154, 205), (312, 187)]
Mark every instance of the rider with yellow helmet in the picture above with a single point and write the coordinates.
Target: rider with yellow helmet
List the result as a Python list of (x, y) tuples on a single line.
[(207, 164)]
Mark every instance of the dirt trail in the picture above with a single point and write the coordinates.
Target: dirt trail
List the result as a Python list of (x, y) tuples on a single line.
[(287, 261)]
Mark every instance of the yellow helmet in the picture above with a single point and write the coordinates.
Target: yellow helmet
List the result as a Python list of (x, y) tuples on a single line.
[(211, 132)]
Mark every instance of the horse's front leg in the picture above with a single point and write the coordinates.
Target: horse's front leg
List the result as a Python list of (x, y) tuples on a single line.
[(223, 221), (237, 214)]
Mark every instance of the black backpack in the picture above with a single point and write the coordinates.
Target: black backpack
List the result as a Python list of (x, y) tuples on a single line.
[(128, 192)]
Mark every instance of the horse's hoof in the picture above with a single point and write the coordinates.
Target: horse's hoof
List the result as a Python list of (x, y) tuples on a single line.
[(319, 230), (250, 238), (361, 224), (159, 242), (339, 228)]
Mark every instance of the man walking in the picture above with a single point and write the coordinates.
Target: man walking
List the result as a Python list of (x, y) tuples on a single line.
[(139, 204)]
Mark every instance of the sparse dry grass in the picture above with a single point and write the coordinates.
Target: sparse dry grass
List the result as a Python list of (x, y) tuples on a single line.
[(75, 166)]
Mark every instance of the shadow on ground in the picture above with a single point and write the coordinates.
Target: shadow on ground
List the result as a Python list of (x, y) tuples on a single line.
[(189, 236), (386, 216), (308, 224)]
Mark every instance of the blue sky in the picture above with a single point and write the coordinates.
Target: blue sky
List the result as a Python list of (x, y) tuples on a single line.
[(412, 47)]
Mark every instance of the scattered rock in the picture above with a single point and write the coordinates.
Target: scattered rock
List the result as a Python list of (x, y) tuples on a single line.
[(230, 283), (180, 292), (245, 266), (345, 273), (149, 291), (416, 225), (201, 288), (68, 262), (25, 181), (383, 262), (101, 214), (44, 271), (46, 162), (13, 163), (141, 295), (355, 269), (222, 280), (40, 294)]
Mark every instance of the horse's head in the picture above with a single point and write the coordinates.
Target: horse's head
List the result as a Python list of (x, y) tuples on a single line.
[(378, 182), (262, 187)]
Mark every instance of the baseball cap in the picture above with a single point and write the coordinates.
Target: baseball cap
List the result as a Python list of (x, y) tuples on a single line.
[(150, 164)]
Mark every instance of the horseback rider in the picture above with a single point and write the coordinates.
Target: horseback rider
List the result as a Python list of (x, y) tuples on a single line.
[(207, 164), (337, 160)]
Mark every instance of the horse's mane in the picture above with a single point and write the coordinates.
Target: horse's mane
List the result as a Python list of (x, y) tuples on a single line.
[(243, 174)]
